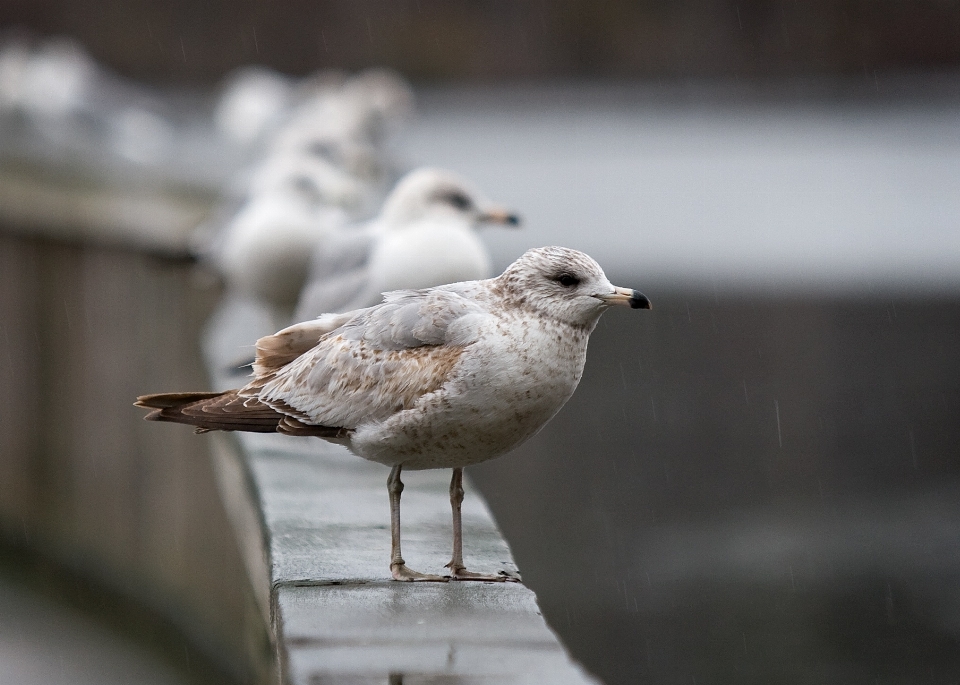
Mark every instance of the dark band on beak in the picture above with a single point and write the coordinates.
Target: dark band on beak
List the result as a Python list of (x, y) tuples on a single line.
[(500, 217), (639, 301)]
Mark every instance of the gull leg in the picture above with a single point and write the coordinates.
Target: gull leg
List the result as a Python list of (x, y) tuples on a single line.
[(457, 570), (398, 569)]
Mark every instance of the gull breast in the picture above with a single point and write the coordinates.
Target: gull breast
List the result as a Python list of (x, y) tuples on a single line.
[(501, 391)]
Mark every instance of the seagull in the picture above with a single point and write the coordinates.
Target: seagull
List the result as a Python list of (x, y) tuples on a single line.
[(423, 237), (323, 167), (251, 102), (349, 126), (443, 377), (263, 253)]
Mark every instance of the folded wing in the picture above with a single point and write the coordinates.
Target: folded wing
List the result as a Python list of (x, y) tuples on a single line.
[(379, 361), (339, 275)]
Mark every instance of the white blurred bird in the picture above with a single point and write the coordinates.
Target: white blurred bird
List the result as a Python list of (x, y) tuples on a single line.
[(322, 165), (51, 80), (318, 181), (349, 127), (263, 254), (424, 236), (252, 101)]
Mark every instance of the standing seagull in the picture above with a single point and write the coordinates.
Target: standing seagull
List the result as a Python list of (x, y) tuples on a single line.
[(425, 236), (438, 378)]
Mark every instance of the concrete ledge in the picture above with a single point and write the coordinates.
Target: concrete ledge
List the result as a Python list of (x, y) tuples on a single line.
[(313, 524), (476, 633)]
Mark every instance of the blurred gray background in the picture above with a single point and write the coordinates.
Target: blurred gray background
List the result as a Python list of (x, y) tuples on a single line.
[(188, 42)]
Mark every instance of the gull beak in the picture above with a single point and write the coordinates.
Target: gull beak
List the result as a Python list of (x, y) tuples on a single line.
[(627, 297), (498, 215)]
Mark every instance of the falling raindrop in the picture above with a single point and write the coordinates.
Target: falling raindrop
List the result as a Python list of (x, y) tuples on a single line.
[(776, 406), (913, 449)]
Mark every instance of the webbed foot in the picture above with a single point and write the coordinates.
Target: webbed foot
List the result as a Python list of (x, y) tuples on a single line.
[(461, 573), (399, 571)]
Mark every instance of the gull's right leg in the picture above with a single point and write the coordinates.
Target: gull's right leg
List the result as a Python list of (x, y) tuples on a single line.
[(398, 568), (457, 570)]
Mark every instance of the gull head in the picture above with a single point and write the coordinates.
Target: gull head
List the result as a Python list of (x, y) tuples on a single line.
[(313, 181), (384, 102), (323, 130), (437, 194), (565, 285)]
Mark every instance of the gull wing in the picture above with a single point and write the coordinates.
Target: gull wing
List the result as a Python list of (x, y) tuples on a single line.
[(281, 348), (338, 273), (379, 362)]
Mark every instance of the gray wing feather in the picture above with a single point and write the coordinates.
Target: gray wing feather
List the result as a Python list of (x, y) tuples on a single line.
[(402, 342), (338, 273), (412, 318)]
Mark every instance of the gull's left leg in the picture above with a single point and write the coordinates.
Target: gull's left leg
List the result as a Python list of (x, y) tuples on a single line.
[(457, 570), (398, 568)]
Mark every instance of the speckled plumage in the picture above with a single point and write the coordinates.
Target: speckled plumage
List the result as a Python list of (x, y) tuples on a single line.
[(449, 376), (439, 378)]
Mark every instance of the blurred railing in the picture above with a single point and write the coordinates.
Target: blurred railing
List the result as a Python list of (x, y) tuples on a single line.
[(91, 313)]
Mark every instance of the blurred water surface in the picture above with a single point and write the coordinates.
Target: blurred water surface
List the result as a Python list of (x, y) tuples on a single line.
[(695, 186)]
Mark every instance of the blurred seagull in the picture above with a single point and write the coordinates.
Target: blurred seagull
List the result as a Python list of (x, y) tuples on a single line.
[(252, 100), (349, 126), (50, 81), (439, 378), (263, 253), (322, 168), (424, 236), (317, 181)]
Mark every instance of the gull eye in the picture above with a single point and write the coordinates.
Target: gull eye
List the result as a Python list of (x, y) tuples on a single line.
[(567, 280), (304, 184), (457, 200), (323, 150)]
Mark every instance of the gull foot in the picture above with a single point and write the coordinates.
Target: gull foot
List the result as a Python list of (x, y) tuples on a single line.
[(461, 573), (401, 572)]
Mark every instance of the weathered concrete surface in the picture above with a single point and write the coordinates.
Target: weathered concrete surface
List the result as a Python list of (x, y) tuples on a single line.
[(323, 550), (464, 632)]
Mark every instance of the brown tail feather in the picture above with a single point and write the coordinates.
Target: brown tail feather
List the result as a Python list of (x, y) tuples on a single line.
[(228, 411), (172, 399), (212, 411), (291, 426)]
